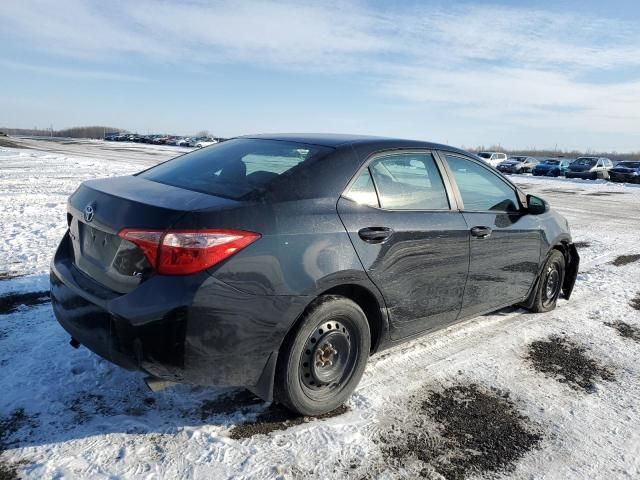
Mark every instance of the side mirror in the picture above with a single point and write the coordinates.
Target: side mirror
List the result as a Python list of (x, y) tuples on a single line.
[(536, 205)]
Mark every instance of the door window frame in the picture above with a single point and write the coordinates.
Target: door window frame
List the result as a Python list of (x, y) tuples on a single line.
[(454, 205), (520, 196)]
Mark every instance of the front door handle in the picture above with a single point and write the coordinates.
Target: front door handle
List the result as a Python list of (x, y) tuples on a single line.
[(481, 232), (375, 234)]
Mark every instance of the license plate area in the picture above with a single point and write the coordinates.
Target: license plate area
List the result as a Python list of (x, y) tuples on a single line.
[(97, 245)]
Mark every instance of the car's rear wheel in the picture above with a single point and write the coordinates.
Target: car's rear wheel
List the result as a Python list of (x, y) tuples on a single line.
[(550, 283), (322, 360)]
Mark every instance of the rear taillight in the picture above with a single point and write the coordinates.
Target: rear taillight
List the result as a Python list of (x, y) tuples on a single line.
[(182, 252)]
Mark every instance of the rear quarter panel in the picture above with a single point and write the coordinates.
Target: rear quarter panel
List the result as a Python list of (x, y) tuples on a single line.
[(304, 248)]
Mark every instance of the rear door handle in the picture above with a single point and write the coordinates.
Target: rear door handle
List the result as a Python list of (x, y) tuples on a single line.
[(375, 234), (481, 232)]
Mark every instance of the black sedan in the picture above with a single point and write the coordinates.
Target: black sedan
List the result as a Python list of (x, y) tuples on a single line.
[(280, 263), (628, 171)]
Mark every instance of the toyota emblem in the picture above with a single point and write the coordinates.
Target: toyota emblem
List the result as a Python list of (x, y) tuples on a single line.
[(89, 212)]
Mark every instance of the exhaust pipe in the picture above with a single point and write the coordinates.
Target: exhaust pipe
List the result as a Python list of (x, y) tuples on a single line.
[(157, 384)]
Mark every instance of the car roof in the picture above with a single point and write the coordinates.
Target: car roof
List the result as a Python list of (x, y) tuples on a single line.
[(337, 140)]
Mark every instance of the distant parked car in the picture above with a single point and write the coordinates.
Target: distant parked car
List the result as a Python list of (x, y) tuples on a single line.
[(517, 165), (590, 168), (551, 167), (206, 142), (184, 142), (493, 158), (628, 171)]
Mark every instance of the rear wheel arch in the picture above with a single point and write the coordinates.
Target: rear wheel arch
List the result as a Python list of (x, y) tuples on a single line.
[(361, 296), (369, 304)]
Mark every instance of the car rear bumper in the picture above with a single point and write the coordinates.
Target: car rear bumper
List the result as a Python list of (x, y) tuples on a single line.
[(584, 175), (624, 177), (192, 329)]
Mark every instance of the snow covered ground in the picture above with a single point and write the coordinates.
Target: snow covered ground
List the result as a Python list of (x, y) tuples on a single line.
[(66, 413)]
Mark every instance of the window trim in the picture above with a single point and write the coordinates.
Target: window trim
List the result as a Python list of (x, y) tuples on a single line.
[(520, 196), (450, 193)]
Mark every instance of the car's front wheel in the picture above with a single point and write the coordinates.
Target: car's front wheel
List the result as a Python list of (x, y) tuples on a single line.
[(322, 360), (549, 283)]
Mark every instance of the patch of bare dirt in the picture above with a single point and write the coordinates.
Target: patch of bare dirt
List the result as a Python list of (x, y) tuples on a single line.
[(635, 302), (625, 330), (241, 401), (277, 418), (626, 259), (8, 427), (10, 275), (86, 405), (568, 363), (478, 431), (13, 301)]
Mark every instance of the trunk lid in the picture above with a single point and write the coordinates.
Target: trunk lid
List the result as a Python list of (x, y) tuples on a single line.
[(99, 209)]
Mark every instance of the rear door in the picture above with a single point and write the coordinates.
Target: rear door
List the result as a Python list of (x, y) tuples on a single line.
[(504, 240), (410, 238)]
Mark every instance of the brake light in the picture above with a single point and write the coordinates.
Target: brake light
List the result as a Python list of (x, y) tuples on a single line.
[(183, 252)]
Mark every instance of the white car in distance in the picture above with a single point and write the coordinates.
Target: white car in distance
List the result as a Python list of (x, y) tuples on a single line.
[(205, 142), (492, 158)]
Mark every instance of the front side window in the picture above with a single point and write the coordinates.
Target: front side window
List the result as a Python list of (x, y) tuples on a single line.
[(480, 189), (409, 181), (235, 168)]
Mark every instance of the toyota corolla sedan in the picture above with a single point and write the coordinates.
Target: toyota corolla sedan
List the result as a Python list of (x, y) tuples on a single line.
[(281, 263)]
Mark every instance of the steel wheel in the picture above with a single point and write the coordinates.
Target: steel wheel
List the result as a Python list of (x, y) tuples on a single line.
[(549, 284), (328, 359), (324, 357), (551, 288)]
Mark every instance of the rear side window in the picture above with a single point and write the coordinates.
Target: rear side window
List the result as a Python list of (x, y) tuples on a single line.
[(235, 168), (363, 191), (409, 181), (480, 189)]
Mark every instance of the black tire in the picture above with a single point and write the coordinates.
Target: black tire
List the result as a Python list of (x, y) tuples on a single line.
[(549, 283), (322, 360)]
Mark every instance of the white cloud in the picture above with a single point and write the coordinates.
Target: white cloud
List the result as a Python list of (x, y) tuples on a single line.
[(74, 73), (525, 66)]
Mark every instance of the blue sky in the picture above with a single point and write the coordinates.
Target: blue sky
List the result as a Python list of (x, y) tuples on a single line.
[(464, 73)]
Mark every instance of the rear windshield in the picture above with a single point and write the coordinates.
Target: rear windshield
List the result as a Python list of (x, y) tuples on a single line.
[(484, 155), (585, 162), (629, 164), (551, 162), (518, 159), (235, 168)]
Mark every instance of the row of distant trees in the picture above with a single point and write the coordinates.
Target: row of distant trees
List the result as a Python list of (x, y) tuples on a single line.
[(97, 131)]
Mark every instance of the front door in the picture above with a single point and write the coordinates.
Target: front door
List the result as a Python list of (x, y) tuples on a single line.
[(413, 245), (505, 240)]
